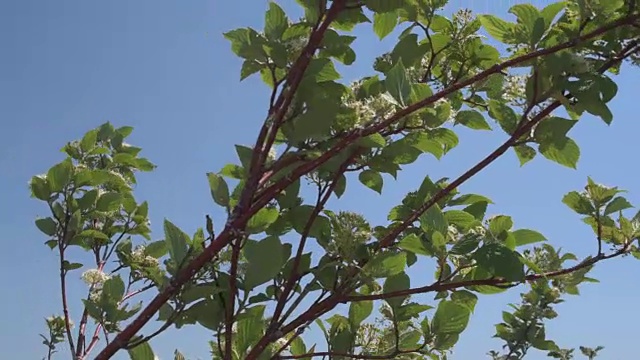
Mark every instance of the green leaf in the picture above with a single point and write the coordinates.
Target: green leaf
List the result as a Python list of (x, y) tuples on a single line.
[(413, 244), (247, 43), (460, 218), (249, 67), (88, 141), (59, 175), (177, 241), (553, 129), (499, 261), (244, 154), (527, 14), (408, 50), (359, 311), (113, 289), (397, 282), (265, 259), (109, 201), (298, 347), (315, 123), (47, 226), (564, 152), (386, 264), (525, 153), (380, 6), (142, 352), (526, 237), (372, 180), (465, 245), (300, 215), (472, 119), (250, 328), (93, 234), (321, 70), (384, 23), (275, 21), (499, 29), (423, 142), (262, 219), (156, 249), (71, 266), (40, 188), (617, 204), (219, 189), (419, 92), (341, 185), (500, 224), (578, 203), (550, 11), (433, 220), (397, 83), (504, 116), (450, 318)]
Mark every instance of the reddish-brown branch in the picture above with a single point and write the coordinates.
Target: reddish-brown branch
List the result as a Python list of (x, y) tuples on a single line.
[(267, 194), (95, 337), (277, 113), (326, 305), (294, 276)]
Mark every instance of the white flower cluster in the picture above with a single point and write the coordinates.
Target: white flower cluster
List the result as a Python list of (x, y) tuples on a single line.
[(95, 278), (514, 88), (57, 322), (138, 256)]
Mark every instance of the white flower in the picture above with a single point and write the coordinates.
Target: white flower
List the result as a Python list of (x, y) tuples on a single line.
[(514, 87), (94, 277)]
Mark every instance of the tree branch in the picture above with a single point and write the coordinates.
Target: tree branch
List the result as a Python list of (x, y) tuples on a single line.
[(442, 286)]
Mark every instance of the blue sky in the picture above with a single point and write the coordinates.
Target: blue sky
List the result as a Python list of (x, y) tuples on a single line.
[(164, 68)]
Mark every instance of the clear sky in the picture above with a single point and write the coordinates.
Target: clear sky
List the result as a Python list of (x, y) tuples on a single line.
[(164, 68)]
